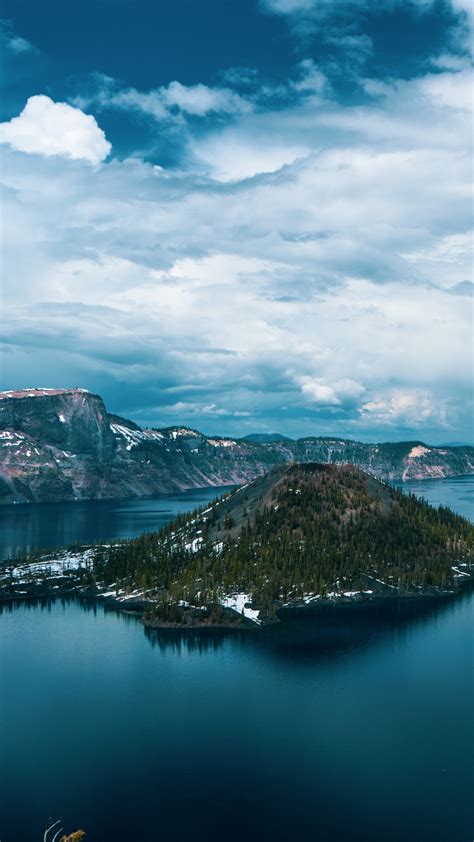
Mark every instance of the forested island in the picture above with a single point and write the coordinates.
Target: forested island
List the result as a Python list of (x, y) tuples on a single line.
[(302, 533)]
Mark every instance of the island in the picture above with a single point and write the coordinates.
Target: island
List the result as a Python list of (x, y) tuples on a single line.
[(302, 534)]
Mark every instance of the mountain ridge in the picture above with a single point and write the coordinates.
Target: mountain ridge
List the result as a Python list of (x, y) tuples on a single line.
[(63, 444)]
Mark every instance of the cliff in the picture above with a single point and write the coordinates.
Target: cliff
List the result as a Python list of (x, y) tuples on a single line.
[(62, 444)]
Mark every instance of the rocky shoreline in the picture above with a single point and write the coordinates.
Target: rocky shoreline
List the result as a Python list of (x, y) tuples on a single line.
[(195, 618)]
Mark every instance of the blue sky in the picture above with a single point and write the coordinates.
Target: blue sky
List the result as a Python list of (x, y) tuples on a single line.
[(242, 216)]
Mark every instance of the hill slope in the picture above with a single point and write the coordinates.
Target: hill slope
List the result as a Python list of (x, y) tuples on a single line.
[(300, 533), (62, 444)]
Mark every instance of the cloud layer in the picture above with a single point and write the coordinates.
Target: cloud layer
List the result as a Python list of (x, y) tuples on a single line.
[(304, 266)]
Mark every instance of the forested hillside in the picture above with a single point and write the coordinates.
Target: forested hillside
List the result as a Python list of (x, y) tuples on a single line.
[(300, 533)]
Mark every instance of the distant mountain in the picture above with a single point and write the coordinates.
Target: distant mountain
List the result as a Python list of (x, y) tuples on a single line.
[(62, 444), (455, 444), (266, 438)]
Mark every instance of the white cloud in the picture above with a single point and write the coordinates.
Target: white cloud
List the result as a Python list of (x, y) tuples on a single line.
[(231, 156), (412, 408), (454, 90), (343, 392), (319, 393), (166, 102), (48, 128), (201, 99)]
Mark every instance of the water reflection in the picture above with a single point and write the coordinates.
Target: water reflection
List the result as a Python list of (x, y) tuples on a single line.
[(261, 730), (312, 635), (191, 640), (332, 632), (304, 636)]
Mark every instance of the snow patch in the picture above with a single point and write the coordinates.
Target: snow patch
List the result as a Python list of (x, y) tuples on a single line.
[(135, 437), (52, 566), (238, 602), (419, 450), (183, 431)]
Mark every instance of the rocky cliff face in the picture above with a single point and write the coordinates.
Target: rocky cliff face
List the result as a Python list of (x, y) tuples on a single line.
[(62, 444)]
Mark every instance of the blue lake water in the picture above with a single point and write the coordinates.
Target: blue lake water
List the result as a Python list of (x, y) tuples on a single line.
[(34, 526), (342, 723)]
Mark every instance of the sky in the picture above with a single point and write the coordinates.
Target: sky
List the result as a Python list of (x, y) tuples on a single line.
[(242, 215)]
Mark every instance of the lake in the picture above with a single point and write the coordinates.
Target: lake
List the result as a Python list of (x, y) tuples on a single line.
[(349, 722), (34, 526)]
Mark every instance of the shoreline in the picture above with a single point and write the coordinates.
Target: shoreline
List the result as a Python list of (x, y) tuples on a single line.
[(172, 492), (137, 607)]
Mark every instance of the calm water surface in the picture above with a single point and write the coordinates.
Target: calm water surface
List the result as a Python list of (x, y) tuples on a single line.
[(342, 723), (34, 526)]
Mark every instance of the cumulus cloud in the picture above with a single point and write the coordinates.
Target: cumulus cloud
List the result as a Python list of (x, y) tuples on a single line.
[(405, 408), (49, 128), (342, 393)]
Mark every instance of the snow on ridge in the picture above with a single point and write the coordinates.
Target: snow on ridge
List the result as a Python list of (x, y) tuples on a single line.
[(134, 437), (419, 450), (183, 431), (39, 392), (222, 442), (8, 434)]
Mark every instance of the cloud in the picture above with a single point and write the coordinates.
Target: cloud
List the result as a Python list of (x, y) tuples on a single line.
[(231, 156), (343, 393), (320, 293), (183, 408), (13, 42), (340, 23), (201, 99), (164, 103), (49, 128), (403, 408)]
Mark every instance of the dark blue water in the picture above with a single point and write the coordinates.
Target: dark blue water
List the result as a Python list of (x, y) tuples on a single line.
[(343, 723), (34, 526), (457, 493), (349, 723)]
